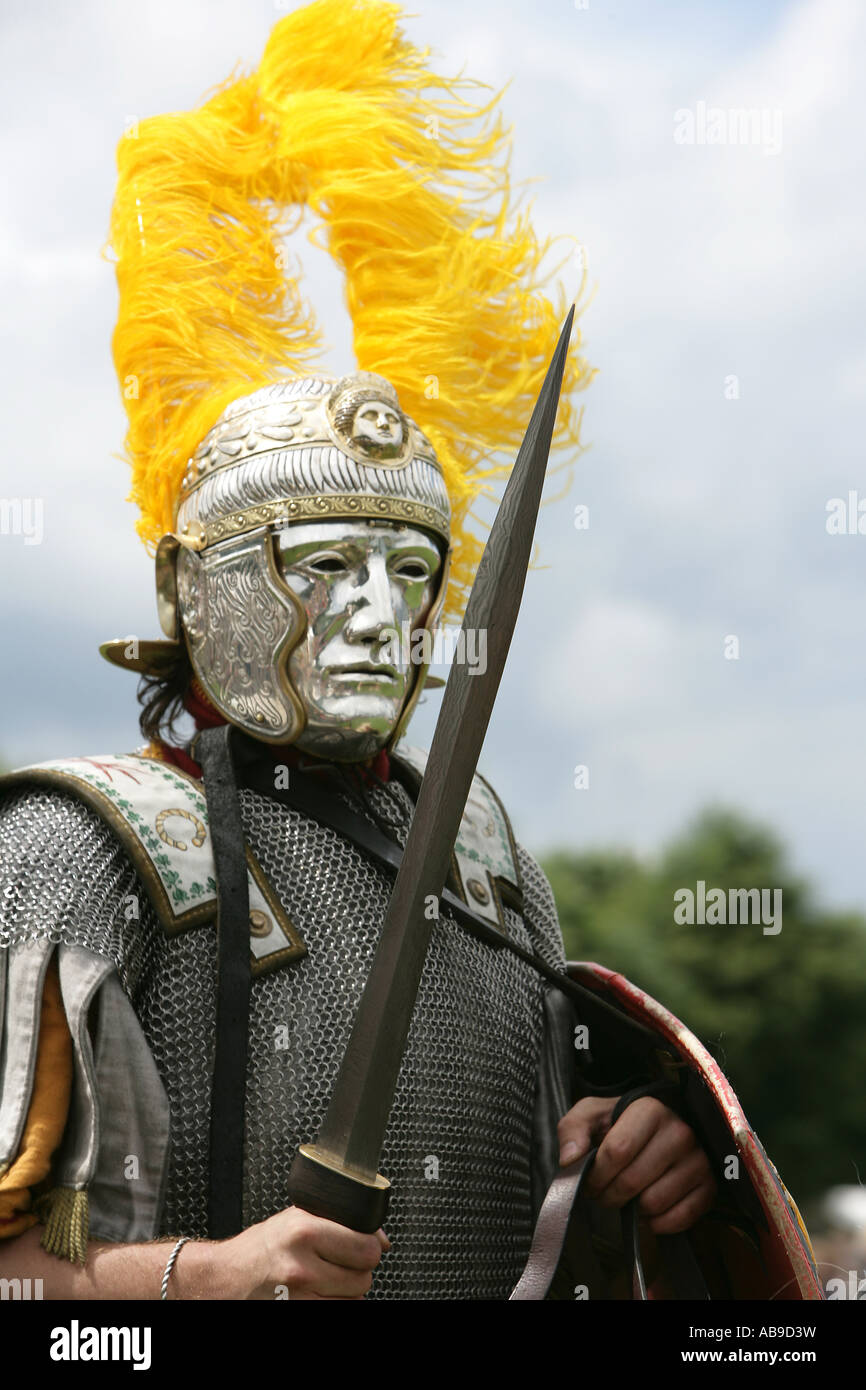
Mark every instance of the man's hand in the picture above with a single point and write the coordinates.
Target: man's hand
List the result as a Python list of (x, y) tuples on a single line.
[(650, 1152), (311, 1257)]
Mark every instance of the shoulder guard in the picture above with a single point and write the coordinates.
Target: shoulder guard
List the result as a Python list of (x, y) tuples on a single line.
[(159, 815), (484, 862)]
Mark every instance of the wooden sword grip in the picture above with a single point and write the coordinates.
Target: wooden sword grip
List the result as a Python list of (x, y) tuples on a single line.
[(319, 1185)]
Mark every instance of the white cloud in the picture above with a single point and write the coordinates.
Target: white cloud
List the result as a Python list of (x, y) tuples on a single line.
[(615, 658)]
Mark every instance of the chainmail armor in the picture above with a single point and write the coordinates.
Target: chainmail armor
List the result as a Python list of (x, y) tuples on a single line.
[(457, 1150)]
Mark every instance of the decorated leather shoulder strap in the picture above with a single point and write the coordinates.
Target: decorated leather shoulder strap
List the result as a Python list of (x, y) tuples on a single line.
[(158, 814), (485, 854)]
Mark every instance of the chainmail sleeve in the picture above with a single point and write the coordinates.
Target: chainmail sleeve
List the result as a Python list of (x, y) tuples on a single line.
[(69, 892), (65, 878)]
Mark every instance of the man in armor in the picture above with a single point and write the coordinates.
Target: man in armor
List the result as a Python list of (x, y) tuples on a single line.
[(302, 526)]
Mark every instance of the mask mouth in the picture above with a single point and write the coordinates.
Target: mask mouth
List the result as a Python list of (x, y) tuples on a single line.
[(364, 668)]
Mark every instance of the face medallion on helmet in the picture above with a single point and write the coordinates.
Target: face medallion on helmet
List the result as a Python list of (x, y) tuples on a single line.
[(367, 421)]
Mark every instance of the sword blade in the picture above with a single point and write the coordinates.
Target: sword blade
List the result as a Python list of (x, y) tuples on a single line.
[(353, 1131)]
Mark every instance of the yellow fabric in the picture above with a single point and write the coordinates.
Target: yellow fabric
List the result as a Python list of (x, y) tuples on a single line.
[(407, 176), (46, 1119)]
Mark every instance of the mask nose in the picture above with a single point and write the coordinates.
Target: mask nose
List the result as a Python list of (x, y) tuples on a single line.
[(372, 603)]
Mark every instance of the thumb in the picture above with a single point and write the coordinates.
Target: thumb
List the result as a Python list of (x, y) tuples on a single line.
[(581, 1126)]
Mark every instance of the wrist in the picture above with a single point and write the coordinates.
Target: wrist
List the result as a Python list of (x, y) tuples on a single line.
[(199, 1271)]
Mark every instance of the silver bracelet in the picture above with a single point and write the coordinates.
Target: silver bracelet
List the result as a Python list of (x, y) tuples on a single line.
[(170, 1266)]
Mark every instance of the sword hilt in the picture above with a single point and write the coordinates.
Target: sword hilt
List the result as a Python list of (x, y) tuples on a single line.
[(319, 1184)]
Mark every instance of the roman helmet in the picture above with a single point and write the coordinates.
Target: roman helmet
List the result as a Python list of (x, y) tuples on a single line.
[(306, 449), (235, 433)]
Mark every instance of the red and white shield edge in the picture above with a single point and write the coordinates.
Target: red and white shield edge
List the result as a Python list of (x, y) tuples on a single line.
[(786, 1249)]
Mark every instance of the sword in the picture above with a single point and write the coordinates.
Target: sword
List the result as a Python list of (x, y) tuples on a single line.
[(337, 1176)]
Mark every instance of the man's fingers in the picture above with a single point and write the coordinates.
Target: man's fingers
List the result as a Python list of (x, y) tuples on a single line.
[(632, 1140), (650, 1153), (686, 1212), (679, 1181), (337, 1245)]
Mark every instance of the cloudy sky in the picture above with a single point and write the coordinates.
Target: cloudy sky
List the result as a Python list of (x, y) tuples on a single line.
[(728, 272)]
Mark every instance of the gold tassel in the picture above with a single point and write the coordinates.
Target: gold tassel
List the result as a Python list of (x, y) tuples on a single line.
[(66, 1214)]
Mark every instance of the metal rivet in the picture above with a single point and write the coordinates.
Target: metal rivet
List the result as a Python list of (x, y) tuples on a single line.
[(478, 891), (260, 923)]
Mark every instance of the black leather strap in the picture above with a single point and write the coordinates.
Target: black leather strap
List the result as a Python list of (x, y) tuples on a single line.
[(228, 1093), (670, 1092)]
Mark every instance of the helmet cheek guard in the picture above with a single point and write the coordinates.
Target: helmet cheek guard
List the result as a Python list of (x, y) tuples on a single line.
[(241, 622)]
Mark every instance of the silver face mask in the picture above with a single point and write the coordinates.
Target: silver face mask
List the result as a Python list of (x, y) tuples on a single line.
[(358, 584)]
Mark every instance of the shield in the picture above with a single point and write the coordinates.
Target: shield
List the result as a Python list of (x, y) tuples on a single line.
[(753, 1245)]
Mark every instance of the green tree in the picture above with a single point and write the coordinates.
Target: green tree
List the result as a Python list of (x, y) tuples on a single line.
[(785, 1014)]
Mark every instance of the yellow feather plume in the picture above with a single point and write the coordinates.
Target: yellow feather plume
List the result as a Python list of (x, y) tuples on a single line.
[(409, 178)]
